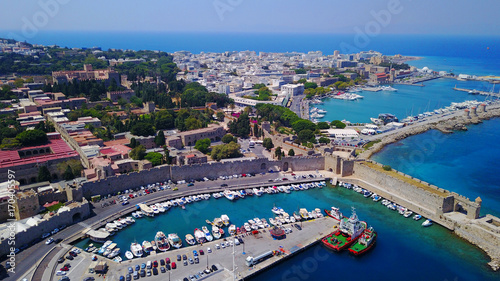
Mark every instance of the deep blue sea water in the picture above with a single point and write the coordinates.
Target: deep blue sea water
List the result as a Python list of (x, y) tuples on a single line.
[(465, 162), (404, 248)]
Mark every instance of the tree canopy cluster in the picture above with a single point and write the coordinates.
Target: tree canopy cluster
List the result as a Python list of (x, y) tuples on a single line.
[(225, 151), (203, 145), (240, 127)]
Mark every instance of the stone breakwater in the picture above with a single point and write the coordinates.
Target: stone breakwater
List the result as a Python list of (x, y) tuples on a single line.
[(447, 125)]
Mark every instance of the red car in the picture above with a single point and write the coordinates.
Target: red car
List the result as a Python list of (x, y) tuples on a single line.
[(131, 195), (174, 266), (155, 264), (167, 260), (64, 268)]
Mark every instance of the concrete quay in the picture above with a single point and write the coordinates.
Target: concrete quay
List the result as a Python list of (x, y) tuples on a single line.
[(484, 93), (296, 241)]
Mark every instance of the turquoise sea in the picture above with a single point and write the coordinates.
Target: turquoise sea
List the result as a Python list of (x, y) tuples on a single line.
[(408, 100), (404, 247)]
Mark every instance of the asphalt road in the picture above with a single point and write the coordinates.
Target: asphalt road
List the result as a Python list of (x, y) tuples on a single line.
[(25, 260)]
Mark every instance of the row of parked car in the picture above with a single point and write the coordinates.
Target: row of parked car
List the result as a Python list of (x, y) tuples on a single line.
[(154, 267)]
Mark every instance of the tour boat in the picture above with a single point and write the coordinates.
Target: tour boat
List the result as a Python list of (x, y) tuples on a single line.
[(232, 230), (109, 249), (277, 210), (334, 213), (426, 223), (199, 236), (350, 230), (114, 253), (190, 239), (174, 240), (207, 233), (104, 246), (129, 255), (229, 195), (297, 217), (147, 247), (218, 222), (136, 249), (365, 242), (225, 219), (215, 232), (161, 241), (304, 213)]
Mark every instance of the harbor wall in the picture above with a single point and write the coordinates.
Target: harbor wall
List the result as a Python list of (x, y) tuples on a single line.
[(196, 171), (484, 233), (434, 202), (77, 212)]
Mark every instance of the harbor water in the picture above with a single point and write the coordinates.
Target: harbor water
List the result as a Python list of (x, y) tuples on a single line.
[(404, 247), (408, 100)]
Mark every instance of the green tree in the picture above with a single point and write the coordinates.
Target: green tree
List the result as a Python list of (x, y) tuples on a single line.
[(268, 143), (240, 127), (305, 135), (323, 125), (302, 80), (138, 152), (142, 129), (310, 85), (220, 116), (133, 143), (291, 152), (228, 138), (303, 124), (277, 152), (10, 143), (32, 137), (300, 71), (68, 173), (324, 140), (338, 124), (166, 156), (192, 123), (203, 145), (160, 139), (225, 151), (155, 158), (44, 174), (256, 131)]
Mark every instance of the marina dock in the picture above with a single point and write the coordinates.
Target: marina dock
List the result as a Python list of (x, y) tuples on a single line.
[(483, 93), (295, 242)]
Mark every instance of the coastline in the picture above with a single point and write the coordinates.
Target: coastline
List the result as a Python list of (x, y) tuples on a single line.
[(446, 125)]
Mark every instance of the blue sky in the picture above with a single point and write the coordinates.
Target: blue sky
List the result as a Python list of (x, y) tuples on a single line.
[(300, 16)]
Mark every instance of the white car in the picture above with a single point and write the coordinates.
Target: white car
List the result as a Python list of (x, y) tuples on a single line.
[(217, 246), (60, 273), (223, 245), (49, 241), (236, 242), (210, 250)]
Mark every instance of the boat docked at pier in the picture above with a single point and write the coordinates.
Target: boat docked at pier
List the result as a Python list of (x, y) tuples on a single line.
[(162, 241), (190, 239), (147, 247), (136, 249), (365, 242), (199, 236), (225, 220), (174, 240), (208, 236), (216, 232), (148, 211), (349, 231), (335, 213)]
